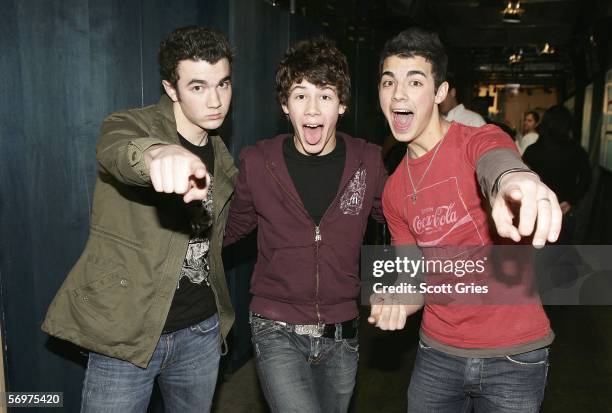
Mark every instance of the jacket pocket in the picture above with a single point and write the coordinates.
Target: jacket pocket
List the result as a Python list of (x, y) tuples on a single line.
[(103, 298)]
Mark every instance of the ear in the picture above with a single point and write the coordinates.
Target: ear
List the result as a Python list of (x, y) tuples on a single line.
[(170, 90), (341, 109), (441, 93), (285, 109)]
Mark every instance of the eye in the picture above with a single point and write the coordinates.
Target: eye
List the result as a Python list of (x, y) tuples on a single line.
[(415, 83), (300, 97), (326, 97), (225, 84), (197, 88), (386, 83)]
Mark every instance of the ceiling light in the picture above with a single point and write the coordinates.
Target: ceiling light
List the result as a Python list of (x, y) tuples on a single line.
[(512, 13), (547, 49), (515, 58)]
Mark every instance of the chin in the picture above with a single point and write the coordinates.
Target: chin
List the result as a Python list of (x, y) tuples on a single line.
[(403, 137), (209, 125), (312, 149)]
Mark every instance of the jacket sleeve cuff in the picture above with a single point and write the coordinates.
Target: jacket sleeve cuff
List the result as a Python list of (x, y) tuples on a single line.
[(135, 155)]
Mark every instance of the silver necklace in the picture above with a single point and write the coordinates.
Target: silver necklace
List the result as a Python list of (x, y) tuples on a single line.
[(415, 187)]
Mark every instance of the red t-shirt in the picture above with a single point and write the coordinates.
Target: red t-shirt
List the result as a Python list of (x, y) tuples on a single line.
[(449, 212)]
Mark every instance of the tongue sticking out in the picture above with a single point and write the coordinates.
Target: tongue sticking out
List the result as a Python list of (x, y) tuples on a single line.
[(402, 121), (313, 135)]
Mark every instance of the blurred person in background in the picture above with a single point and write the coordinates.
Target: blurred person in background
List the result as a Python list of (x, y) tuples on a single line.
[(531, 120), (562, 164)]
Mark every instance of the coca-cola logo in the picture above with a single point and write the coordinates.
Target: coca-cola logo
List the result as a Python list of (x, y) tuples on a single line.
[(433, 220)]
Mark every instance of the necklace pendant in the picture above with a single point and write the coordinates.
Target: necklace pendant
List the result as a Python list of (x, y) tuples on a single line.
[(413, 197)]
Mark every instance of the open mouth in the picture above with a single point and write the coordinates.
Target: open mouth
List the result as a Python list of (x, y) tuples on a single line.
[(313, 132), (402, 118)]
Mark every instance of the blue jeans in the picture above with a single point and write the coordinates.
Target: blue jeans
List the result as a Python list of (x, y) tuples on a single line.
[(444, 383), (301, 373), (185, 362)]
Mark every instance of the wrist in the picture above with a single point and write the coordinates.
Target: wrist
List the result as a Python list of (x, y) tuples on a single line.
[(498, 180)]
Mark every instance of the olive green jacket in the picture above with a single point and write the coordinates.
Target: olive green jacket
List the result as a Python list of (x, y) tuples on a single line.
[(116, 298)]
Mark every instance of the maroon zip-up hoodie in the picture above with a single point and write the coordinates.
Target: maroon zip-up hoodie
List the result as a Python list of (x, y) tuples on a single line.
[(305, 273)]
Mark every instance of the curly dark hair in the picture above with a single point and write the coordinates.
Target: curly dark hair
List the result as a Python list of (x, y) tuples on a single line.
[(191, 43), (417, 41), (318, 61)]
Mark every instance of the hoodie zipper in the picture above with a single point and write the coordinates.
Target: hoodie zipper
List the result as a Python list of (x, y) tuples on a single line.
[(317, 229), (317, 241)]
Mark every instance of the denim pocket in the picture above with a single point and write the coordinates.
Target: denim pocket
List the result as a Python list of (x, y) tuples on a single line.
[(351, 344), (261, 327), (531, 358), (206, 326)]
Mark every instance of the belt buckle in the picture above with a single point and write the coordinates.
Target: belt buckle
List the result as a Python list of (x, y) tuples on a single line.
[(314, 330)]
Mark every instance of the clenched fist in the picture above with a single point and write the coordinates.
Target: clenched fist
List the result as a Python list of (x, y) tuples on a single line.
[(174, 169)]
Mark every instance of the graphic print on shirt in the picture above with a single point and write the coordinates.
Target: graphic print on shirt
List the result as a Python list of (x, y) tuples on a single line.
[(196, 266), (439, 211), (352, 198)]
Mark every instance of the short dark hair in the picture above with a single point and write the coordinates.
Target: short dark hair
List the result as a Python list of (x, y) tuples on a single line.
[(556, 124), (317, 61), (536, 115), (191, 43), (417, 41)]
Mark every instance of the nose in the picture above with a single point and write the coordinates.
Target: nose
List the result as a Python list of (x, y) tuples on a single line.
[(213, 101), (398, 92), (312, 107)]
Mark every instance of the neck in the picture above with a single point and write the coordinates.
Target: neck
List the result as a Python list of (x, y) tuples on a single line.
[(193, 133), (429, 138)]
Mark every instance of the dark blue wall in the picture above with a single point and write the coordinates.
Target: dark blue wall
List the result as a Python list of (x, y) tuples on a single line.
[(66, 64)]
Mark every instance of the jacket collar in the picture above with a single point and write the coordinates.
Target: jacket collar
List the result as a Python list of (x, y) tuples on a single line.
[(225, 172)]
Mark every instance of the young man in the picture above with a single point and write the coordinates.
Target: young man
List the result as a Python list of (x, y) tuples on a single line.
[(148, 296), (309, 193), (493, 357), (530, 135), (453, 109)]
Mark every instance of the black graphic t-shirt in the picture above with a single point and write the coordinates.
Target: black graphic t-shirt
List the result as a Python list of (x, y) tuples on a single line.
[(194, 300), (316, 178)]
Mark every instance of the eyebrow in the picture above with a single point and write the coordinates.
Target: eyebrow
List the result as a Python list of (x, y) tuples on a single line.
[(416, 72), (410, 73), (204, 82)]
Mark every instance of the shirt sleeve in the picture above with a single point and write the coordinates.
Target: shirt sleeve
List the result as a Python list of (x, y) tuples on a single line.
[(484, 139), (242, 217), (398, 227), (381, 178)]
